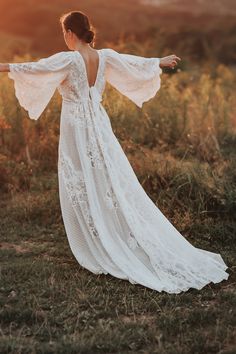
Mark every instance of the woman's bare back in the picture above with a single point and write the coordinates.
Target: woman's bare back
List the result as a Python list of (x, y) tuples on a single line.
[(91, 61)]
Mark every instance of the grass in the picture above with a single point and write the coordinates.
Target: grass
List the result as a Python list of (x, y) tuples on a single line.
[(50, 304)]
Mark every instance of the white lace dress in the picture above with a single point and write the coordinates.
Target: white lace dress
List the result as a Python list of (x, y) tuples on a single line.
[(112, 226)]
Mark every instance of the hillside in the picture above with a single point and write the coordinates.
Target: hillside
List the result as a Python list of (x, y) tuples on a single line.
[(218, 7), (33, 26)]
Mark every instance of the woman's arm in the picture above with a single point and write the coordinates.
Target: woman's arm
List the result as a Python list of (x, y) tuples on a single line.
[(35, 82), (136, 77), (170, 61), (4, 67)]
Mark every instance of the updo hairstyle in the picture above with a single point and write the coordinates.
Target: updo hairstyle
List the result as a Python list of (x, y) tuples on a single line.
[(78, 23)]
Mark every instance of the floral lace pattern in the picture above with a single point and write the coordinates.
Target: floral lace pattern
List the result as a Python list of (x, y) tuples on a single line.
[(110, 199), (76, 189), (132, 242), (79, 115), (136, 77), (23, 67), (36, 82), (94, 153)]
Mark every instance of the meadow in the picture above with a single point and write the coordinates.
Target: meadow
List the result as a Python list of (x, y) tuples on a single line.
[(182, 147)]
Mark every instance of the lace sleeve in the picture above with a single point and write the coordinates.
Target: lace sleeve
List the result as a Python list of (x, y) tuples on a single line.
[(136, 77), (36, 82)]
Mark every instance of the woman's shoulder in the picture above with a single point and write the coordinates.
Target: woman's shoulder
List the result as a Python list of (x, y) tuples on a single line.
[(108, 50), (63, 54), (61, 57), (66, 53), (109, 53)]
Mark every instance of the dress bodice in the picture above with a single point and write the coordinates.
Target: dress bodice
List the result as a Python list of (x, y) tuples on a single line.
[(75, 87)]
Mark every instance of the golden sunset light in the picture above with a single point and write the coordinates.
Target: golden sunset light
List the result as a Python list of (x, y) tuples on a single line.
[(118, 176)]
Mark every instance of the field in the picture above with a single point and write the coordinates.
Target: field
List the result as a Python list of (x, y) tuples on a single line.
[(182, 147)]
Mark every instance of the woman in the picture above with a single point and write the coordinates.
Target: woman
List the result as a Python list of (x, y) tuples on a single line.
[(111, 224)]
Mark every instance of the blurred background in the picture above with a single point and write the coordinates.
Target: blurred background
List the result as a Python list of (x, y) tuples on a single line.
[(196, 29)]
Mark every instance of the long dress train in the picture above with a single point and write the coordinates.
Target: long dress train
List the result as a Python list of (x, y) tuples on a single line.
[(111, 223)]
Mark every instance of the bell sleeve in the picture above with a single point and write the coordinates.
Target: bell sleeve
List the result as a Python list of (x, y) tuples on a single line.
[(36, 82), (136, 77)]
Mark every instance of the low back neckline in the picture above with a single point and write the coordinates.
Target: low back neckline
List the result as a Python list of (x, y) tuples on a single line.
[(85, 68)]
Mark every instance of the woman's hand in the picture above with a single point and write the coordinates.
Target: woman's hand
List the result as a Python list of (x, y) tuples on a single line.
[(4, 68), (170, 61)]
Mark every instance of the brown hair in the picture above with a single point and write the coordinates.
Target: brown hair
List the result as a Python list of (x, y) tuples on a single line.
[(78, 23)]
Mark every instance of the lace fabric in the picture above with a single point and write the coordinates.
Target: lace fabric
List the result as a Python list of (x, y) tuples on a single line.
[(111, 224), (36, 82)]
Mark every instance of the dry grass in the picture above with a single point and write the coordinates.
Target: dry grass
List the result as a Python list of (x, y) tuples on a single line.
[(50, 304)]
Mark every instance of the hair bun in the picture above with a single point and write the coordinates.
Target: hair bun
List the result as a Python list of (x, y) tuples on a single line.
[(88, 36), (79, 24)]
